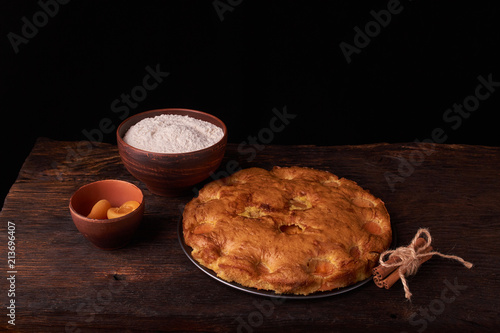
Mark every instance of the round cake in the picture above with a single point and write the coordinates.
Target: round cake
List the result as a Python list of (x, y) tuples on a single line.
[(291, 230)]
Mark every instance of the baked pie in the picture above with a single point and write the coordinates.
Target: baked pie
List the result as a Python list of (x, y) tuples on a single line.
[(292, 230)]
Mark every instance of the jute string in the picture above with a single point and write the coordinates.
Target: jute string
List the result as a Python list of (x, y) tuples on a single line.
[(409, 258)]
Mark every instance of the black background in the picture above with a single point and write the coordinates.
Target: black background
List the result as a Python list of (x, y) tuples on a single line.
[(262, 55)]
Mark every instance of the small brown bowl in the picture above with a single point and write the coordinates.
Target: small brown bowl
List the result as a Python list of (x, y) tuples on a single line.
[(171, 174), (107, 234)]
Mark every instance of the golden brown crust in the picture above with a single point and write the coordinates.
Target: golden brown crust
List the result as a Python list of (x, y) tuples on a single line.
[(292, 230)]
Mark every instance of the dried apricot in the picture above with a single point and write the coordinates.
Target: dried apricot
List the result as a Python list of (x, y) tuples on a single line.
[(127, 208), (99, 210)]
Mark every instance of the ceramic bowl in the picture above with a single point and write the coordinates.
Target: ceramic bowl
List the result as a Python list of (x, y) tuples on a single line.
[(107, 234), (171, 174)]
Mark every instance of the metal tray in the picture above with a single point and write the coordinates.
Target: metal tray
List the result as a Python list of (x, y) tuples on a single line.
[(187, 250)]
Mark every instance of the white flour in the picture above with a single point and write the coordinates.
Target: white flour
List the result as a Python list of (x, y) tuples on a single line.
[(168, 133)]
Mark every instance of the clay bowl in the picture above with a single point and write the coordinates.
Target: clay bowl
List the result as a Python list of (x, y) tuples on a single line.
[(171, 174), (107, 234)]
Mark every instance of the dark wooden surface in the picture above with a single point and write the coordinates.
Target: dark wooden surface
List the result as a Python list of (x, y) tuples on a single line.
[(64, 283)]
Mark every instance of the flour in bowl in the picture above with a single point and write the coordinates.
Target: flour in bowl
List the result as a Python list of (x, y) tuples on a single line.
[(171, 133)]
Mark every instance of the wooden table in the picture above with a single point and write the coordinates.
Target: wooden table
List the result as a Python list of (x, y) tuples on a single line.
[(64, 284)]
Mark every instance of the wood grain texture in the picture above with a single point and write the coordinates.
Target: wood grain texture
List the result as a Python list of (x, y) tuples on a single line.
[(64, 283)]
